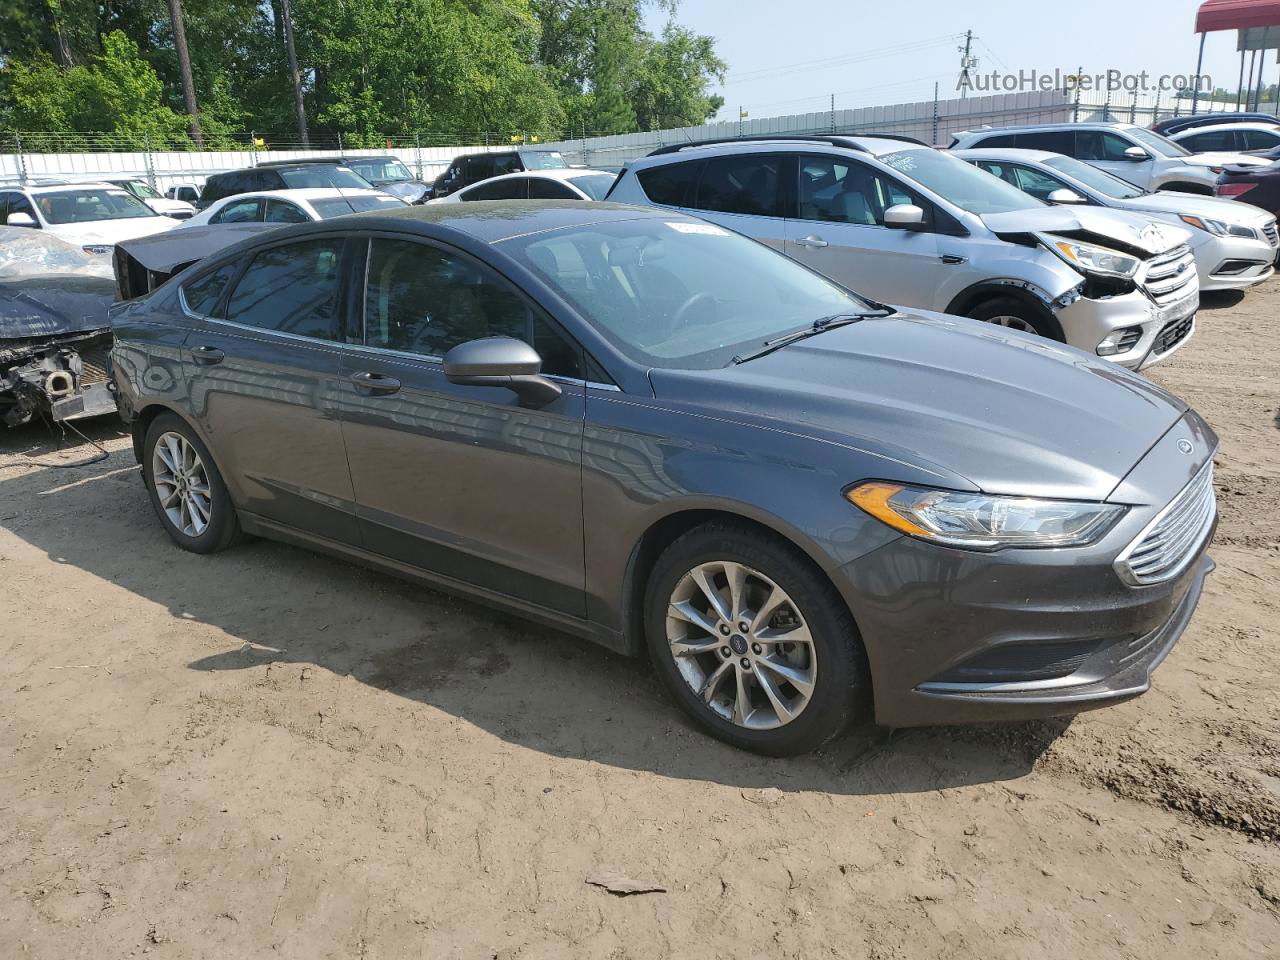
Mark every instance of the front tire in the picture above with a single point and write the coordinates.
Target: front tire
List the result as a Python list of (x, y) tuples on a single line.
[(1018, 314), (186, 489), (753, 641)]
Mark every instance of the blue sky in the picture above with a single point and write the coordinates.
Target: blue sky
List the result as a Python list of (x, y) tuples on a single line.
[(891, 53)]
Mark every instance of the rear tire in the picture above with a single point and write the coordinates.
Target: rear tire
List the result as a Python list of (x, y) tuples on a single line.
[(186, 489), (1018, 314), (776, 630)]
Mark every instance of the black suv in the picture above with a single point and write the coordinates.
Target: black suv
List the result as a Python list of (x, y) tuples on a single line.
[(473, 167), (281, 175)]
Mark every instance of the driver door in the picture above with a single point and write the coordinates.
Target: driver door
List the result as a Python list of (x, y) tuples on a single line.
[(839, 231), (462, 481), (1106, 151)]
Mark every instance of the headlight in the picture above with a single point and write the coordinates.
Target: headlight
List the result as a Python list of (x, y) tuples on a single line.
[(1218, 228), (1091, 259), (982, 522)]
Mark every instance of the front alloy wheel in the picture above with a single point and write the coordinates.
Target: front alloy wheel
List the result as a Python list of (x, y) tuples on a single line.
[(742, 645), (182, 484)]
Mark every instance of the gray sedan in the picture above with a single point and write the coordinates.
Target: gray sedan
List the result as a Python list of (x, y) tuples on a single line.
[(657, 434)]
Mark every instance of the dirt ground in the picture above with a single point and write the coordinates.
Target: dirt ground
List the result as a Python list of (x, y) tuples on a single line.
[(272, 754)]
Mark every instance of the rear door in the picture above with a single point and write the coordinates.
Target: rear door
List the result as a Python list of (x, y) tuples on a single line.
[(839, 231), (264, 368), (748, 193), (244, 210), (460, 480)]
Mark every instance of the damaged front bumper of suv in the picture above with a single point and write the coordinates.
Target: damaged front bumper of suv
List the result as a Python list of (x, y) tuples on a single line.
[(54, 344)]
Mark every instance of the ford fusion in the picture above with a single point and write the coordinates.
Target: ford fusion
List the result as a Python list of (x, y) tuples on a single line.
[(646, 430)]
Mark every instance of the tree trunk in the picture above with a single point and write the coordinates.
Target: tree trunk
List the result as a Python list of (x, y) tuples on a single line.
[(294, 75), (184, 67)]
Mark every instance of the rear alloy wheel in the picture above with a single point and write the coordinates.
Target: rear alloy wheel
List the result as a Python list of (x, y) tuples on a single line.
[(753, 641), (186, 489), (1018, 314)]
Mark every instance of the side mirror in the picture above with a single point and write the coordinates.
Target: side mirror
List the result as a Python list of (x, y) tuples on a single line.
[(904, 216), (21, 220), (1063, 195), (1136, 153), (501, 362)]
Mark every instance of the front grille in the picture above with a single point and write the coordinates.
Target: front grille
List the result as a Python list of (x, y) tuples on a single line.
[(1172, 334), (1167, 545), (1171, 276), (1271, 233)]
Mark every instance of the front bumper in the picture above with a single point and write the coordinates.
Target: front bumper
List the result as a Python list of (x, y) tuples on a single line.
[(1232, 263), (1087, 322), (957, 636)]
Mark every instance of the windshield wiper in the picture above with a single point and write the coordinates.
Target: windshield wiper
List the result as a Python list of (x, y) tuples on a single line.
[(815, 328)]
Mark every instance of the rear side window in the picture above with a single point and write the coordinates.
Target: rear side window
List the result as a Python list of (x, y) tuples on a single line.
[(1259, 139), (747, 185), (292, 289), (1205, 142), (1000, 140), (203, 293), (1053, 141), (671, 184), (540, 188), (282, 211), (239, 211)]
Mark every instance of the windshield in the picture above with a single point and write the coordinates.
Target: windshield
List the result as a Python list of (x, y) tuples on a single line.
[(1161, 145), (680, 293), (1094, 178), (381, 171), (543, 160), (320, 175), (87, 206), (594, 185), (338, 206), (963, 184)]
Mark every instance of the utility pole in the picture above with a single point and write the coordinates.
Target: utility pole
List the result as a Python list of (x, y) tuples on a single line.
[(184, 67), (967, 63), (294, 75)]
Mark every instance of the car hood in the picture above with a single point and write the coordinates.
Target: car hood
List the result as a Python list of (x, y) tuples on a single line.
[(1007, 412), (163, 205), (1229, 211), (111, 231), (1132, 229), (410, 191), (51, 306), (1221, 159)]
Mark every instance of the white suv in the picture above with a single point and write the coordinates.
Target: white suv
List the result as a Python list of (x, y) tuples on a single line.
[(1133, 153), (917, 227), (93, 216)]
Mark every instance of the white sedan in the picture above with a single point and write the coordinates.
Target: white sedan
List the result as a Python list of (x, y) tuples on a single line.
[(566, 184), (292, 206)]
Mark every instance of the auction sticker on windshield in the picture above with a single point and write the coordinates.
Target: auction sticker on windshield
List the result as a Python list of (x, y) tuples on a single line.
[(705, 229)]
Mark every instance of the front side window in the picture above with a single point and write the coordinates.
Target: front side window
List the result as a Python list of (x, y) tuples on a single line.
[(17, 203), (680, 293), (958, 182), (1095, 178), (281, 211), (239, 211), (1038, 184), (540, 188), (514, 188), (844, 191), (91, 205), (291, 289), (1100, 145), (747, 185), (423, 300), (203, 293), (1259, 139), (1161, 146)]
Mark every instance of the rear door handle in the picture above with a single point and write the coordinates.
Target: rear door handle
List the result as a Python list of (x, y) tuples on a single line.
[(810, 241), (375, 384), (207, 355)]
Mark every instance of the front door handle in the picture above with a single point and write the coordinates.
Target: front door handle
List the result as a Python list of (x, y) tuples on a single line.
[(207, 355), (375, 384), (953, 258), (810, 241)]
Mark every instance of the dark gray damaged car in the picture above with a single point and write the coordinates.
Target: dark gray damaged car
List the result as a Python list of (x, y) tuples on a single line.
[(646, 430)]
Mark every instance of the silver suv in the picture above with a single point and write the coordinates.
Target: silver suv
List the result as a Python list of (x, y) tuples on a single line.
[(916, 227), (1133, 153)]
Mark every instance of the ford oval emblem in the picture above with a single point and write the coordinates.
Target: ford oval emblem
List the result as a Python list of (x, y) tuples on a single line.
[(1185, 446)]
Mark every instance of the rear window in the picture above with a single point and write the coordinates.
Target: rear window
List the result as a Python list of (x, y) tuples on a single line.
[(340, 206), (670, 184), (321, 175)]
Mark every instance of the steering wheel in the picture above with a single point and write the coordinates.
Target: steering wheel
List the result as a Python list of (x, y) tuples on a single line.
[(698, 298)]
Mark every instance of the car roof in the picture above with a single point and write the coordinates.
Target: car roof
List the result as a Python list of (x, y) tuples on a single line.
[(308, 193), (491, 221), (65, 185), (558, 173), (865, 145), (1229, 125), (1007, 153), (1027, 127)]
